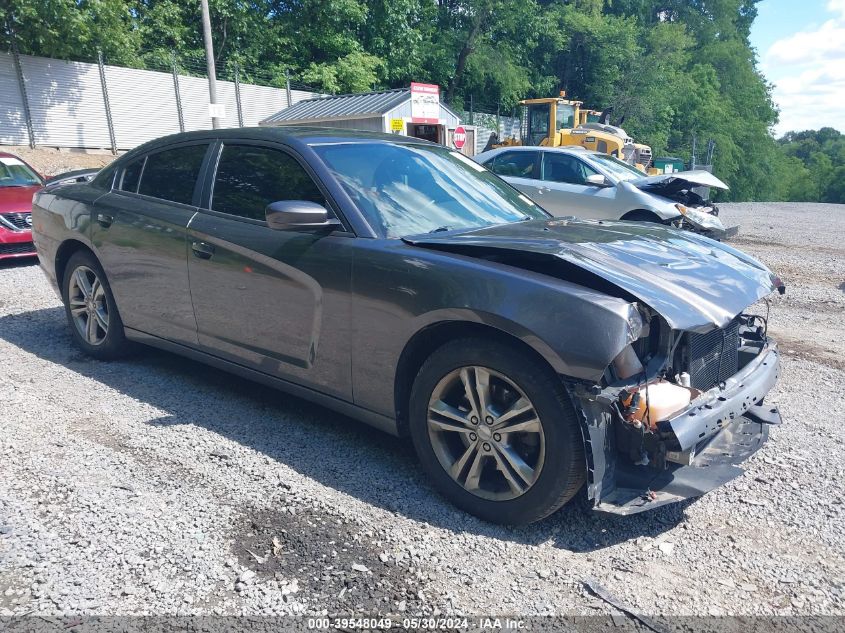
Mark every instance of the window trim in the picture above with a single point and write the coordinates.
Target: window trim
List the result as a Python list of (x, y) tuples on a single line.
[(210, 177)]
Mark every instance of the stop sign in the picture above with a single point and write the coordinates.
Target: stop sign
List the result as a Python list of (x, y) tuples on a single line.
[(459, 137)]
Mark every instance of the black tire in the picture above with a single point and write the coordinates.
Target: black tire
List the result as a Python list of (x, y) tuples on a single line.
[(641, 215), (563, 469), (113, 343)]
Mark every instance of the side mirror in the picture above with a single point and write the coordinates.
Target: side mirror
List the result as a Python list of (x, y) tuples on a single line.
[(291, 215), (598, 180)]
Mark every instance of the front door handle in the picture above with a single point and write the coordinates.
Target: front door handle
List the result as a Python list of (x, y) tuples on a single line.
[(202, 250), (104, 220)]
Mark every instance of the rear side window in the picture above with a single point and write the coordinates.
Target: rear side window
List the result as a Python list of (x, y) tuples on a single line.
[(565, 168), (517, 164), (249, 178), (172, 174), (132, 175)]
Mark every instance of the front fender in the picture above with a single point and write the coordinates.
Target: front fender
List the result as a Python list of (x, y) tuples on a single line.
[(578, 331)]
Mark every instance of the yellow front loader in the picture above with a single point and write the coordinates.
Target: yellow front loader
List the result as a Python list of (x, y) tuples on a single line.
[(557, 121)]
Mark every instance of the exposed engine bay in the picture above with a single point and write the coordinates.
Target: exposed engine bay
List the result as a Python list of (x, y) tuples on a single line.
[(664, 403)]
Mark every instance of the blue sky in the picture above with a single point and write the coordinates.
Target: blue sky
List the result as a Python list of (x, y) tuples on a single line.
[(801, 50)]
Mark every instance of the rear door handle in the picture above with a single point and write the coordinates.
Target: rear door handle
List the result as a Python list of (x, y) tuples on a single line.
[(104, 220), (202, 250)]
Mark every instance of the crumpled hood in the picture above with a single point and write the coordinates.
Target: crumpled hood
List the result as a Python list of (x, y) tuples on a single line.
[(681, 180), (695, 283)]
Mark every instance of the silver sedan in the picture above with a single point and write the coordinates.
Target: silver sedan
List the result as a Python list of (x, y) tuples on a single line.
[(573, 181)]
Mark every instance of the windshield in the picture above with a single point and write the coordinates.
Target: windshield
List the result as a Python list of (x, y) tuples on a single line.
[(617, 168), (412, 189), (15, 173)]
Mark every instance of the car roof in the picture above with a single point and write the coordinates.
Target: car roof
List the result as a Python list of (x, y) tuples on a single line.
[(572, 149), (303, 134), (289, 135)]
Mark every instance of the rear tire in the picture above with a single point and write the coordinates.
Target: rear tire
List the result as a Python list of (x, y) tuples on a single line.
[(509, 448), (95, 323)]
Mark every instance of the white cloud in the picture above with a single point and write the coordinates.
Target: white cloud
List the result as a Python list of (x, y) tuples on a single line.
[(836, 6), (808, 73), (822, 45)]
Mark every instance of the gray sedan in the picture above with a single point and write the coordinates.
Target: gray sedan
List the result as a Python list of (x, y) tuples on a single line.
[(400, 283), (574, 181)]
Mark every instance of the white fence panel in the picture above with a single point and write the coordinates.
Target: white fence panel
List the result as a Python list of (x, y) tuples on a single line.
[(143, 105), (194, 91), (259, 102), (66, 103), (12, 120), (68, 108)]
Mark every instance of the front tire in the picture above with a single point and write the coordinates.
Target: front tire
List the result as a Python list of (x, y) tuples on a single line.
[(95, 323), (495, 431)]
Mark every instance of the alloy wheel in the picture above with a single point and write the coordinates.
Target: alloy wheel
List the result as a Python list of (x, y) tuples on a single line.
[(486, 433), (88, 305)]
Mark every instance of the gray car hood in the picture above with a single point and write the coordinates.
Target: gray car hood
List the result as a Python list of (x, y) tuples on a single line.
[(693, 282), (695, 178)]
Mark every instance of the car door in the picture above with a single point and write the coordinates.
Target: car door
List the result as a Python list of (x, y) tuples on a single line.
[(273, 300), (139, 231), (565, 189)]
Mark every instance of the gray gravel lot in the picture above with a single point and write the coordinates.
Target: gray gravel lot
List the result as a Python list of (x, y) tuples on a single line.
[(156, 485)]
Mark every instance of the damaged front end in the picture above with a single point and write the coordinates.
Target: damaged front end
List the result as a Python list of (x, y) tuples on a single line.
[(668, 413), (687, 191), (676, 412)]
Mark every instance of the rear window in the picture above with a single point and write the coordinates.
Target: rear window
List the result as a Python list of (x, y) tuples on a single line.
[(173, 173)]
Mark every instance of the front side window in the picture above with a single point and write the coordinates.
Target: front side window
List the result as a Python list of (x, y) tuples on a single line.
[(515, 164), (249, 178), (173, 173), (409, 189), (565, 168), (15, 173)]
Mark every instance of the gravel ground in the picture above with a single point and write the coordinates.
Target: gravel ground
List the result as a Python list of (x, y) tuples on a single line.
[(156, 485), (49, 162)]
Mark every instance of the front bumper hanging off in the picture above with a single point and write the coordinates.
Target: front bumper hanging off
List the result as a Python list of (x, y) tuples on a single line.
[(720, 429)]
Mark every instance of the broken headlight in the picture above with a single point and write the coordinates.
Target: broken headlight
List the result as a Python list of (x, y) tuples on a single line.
[(700, 219)]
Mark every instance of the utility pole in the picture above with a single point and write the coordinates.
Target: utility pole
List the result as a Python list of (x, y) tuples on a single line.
[(209, 61)]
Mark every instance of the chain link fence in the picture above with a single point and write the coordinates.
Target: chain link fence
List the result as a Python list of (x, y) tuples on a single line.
[(93, 105), (490, 119)]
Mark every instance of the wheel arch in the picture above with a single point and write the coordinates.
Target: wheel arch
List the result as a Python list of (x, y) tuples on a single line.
[(65, 252), (641, 215), (435, 335)]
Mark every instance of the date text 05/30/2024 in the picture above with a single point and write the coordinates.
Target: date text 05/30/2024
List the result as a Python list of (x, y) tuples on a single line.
[(415, 624)]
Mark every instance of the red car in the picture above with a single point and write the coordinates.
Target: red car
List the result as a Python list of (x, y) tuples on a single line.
[(18, 183)]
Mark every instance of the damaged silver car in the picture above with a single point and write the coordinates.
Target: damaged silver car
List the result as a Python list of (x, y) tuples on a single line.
[(400, 283), (569, 181)]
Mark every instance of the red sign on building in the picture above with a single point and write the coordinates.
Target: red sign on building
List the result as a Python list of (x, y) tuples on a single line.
[(425, 103)]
